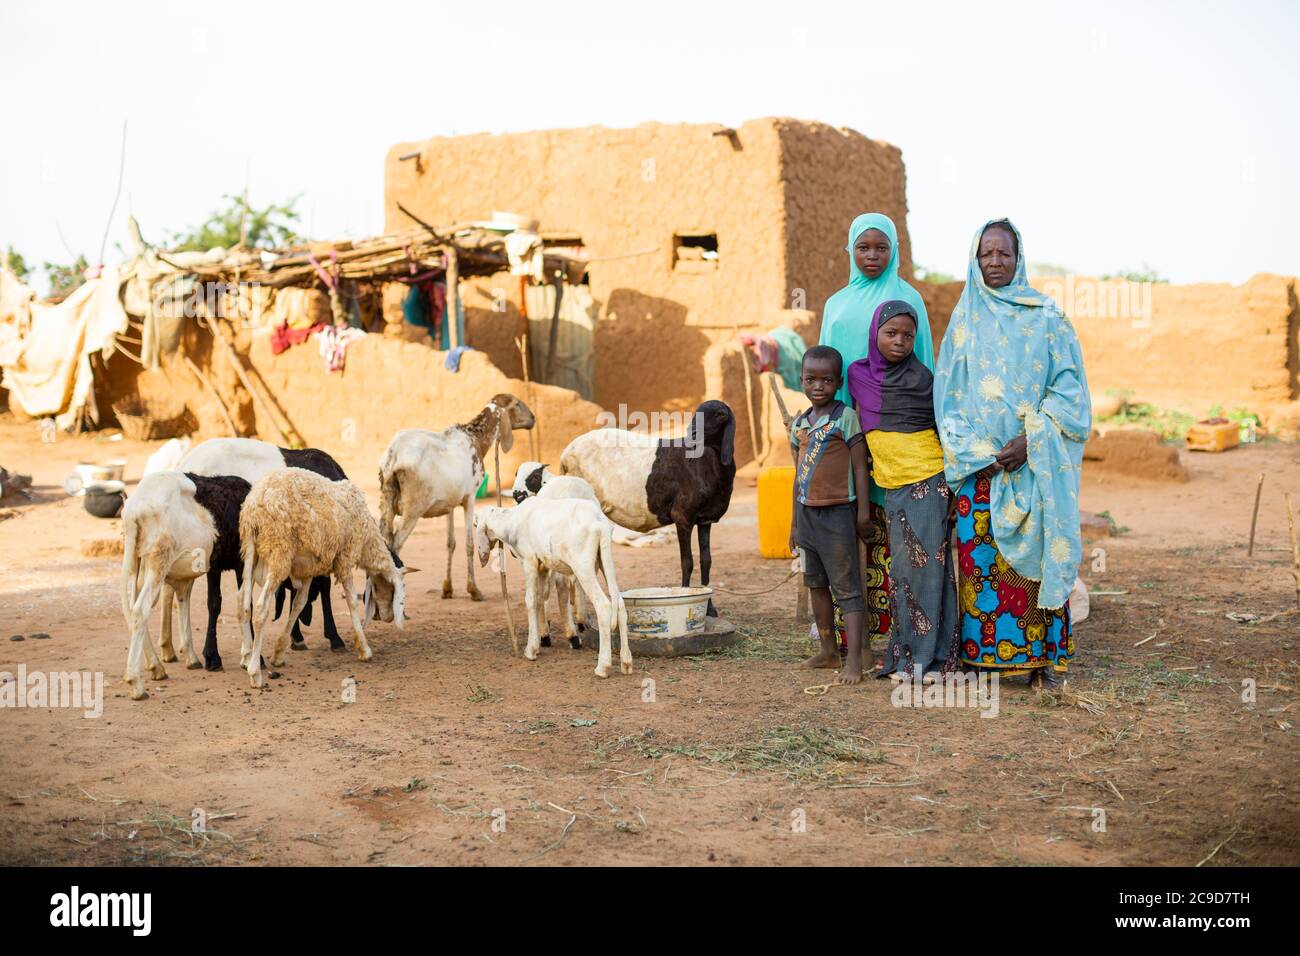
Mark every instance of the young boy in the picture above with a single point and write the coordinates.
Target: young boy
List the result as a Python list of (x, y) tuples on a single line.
[(830, 477)]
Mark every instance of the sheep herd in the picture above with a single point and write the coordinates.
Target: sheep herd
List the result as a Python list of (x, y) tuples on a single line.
[(286, 521)]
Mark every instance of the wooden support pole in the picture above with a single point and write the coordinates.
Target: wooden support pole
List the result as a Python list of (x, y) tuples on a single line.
[(1295, 548), (505, 591), (287, 430), (1254, 516), (533, 451), (453, 297), (211, 390)]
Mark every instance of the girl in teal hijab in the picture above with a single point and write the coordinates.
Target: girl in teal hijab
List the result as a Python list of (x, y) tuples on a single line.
[(846, 320), (846, 327)]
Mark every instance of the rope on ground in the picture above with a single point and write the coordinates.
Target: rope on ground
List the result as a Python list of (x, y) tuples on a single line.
[(754, 593)]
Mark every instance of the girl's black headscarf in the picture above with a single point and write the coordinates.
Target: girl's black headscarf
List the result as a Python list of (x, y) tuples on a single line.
[(892, 397)]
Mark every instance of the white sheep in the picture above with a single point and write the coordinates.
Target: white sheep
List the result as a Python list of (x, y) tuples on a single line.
[(425, 474), (168, 539), (298, 525), (568, 536)]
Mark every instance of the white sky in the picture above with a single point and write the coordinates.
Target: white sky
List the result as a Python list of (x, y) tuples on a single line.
[(1114, 134)]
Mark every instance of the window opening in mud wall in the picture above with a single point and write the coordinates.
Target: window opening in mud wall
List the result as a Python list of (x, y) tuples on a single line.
[(695, 252)]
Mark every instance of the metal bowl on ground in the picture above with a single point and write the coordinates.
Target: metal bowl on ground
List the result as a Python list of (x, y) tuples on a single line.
[(104, 499), (88, 473), (666, 612)]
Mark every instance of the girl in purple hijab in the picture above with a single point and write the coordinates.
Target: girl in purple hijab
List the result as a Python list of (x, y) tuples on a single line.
[(894, 396)]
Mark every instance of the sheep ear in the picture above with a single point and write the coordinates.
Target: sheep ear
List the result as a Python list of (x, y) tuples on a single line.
[(729, 441), (406, 569), (505, 434)]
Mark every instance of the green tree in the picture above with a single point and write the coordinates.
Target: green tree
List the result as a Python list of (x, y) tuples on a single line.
[(930, 275), (267, 228), (1047, 269), (16, 264), (64, 279), (1147, 274)]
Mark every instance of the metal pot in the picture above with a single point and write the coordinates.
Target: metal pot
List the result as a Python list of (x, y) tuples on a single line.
[(104, 499)]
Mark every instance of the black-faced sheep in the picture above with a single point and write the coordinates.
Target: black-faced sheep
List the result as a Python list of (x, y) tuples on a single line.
[(645, 482)]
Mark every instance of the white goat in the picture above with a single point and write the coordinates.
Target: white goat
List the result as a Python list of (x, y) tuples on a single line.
[(568, 536), (169, 539), (298, 525), (426, 474)]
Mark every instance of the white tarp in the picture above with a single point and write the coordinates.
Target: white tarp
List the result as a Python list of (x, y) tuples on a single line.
[(47, 370)]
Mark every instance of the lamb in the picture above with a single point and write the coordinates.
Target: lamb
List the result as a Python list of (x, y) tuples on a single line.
[(428, 474), (298, 525), (177, 528), (533, 479), (645, 482), (251, 459), (565, 536)]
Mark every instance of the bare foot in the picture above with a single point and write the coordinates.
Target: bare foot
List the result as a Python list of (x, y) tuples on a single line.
[(851, 672), (829, 659)]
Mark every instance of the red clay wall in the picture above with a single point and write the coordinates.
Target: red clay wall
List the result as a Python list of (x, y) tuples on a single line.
[(1183, 347), (778, 193), (831, 176), (621, 191), (1190, 347), (390, 384)]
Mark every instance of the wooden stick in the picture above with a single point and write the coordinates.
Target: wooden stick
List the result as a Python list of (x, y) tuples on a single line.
[(749, 395), (287, 431), (207, 384), (535, 452), (1295, 549), (780, 402), (553, 332), (505, 591), (521, 343), (801, 604), (1254, 516)]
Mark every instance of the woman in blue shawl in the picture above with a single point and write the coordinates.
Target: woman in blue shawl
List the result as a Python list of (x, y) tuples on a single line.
[(1012, 406), (846, 327)]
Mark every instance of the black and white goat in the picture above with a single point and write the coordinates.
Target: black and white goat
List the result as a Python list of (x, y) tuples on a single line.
[(177, 528), (251, 460), (644, 482)]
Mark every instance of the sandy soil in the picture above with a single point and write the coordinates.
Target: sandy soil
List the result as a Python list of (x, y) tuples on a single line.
[(451, 737)]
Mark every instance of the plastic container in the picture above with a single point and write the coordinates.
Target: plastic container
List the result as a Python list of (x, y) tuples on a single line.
[(1213, 435), (482, 487), (775, 487)]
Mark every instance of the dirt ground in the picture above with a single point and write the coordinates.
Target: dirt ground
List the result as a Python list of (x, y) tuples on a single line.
[(455, 752)]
